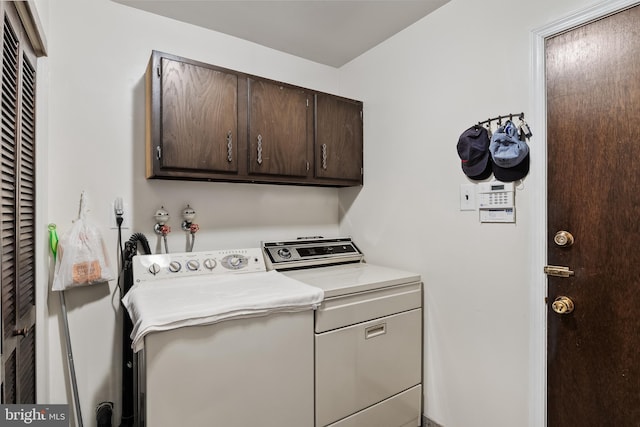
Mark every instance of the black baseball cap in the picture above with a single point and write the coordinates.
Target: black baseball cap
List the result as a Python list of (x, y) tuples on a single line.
[(473, 149)]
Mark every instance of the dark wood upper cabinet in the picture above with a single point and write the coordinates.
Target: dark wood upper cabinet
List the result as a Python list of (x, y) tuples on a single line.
[(279, 122), (338, 138), (210, 123), (199, 127), (192, 118)]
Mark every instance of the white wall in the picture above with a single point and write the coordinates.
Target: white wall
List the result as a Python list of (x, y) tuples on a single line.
[(464, 63), (98, 51)]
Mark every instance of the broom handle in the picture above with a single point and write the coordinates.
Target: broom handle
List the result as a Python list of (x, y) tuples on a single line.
[(72, 370)]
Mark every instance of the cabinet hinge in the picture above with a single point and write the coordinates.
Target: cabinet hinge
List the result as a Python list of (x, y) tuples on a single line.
[(307, 102), (158, 71), (361, 171), (360, 114), (158, 152), (307, 166)]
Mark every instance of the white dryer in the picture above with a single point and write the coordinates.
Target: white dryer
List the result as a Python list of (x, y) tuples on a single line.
[(368, 333)]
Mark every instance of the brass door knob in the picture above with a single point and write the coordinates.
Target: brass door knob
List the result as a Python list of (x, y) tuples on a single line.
[(563, 238), (562, 305)]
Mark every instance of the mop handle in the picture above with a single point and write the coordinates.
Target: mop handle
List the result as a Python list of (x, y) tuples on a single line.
[(53, 245), (72, 369)]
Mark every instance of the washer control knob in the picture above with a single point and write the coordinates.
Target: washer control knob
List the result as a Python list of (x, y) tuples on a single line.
[(174, 266), (210, 263), (154, 269), (193, 265), (234, 262), (284, 253)]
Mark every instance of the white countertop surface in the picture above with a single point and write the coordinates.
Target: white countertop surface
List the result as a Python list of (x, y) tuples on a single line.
[(346, 279)]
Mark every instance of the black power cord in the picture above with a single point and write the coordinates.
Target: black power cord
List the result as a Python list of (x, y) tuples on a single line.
[(128, 371)]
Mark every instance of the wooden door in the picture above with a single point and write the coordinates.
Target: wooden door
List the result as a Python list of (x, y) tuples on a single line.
[(199, 109), (279, 126), (17, 212), (338, 138), (593, 107)]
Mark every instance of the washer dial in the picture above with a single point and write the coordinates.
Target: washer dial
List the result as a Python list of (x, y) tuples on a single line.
[(193, 265), (235, 261), (210, 263), (175, 266)]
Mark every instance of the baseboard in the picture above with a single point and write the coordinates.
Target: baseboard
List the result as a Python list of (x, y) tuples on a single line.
[(426, 422)]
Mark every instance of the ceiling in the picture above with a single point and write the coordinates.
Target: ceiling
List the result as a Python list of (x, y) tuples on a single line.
[(331, 32)]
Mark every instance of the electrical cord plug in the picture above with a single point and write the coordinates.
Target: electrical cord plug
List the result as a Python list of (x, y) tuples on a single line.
[(118, 209)]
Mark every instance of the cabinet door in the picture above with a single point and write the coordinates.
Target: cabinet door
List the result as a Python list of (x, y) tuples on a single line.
[(338, 138), (278, 129), (199, 108)]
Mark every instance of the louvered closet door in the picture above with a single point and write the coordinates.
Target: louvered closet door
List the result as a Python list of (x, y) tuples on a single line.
[(17, 238)]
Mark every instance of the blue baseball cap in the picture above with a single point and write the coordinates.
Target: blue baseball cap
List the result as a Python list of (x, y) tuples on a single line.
[(510, 154)]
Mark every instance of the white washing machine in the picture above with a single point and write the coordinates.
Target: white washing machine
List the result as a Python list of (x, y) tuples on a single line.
[(221, 341), (367, 333)]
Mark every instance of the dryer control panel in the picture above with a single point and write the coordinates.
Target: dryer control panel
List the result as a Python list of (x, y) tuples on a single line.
[(310, 252)]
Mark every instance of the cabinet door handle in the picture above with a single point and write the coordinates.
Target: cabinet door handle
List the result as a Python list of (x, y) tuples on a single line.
[(324, 156), (229, 147), (375, 330), (259, 149)]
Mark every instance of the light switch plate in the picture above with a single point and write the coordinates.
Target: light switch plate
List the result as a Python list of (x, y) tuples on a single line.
[(467, 197)]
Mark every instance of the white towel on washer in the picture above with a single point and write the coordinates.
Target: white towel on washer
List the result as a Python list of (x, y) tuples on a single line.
[(174, 303)]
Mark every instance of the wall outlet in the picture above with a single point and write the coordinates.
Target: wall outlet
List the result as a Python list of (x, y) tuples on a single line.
[(126, 217), (467, 197)]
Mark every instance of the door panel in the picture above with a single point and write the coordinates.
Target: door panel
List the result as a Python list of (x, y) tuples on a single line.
[(593, 105), (17, 216), (278, 129), (338, 142), (199, 118)]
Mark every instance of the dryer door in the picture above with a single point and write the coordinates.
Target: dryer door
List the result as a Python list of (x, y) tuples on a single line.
[(363, 364)]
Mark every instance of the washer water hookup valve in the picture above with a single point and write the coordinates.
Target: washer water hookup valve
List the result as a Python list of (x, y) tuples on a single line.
[(161, 228), (188, 215), (162, 217)]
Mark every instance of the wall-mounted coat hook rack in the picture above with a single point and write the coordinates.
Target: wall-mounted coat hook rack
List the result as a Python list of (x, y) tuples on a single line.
[(510, 116)]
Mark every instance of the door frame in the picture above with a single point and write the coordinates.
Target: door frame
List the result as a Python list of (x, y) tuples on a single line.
[(538, 288)]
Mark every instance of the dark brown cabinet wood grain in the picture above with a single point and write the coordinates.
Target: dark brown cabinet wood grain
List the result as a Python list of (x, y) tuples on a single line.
[(210, 123), (279, 123), (192, 119), (199, 127), (338, 138)]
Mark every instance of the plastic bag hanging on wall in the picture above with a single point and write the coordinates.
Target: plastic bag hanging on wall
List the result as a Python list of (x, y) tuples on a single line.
[(81, 256)]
